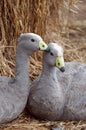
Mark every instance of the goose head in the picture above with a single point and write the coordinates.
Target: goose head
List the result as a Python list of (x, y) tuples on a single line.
[(31, 42), (54, 56)]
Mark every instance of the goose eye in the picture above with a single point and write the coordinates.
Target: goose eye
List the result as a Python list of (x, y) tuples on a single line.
[(32, 40), (51, 54)]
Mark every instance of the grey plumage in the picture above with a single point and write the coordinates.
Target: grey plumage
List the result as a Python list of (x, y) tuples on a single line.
[(14, 92), (46, 99), (74, 87), (59, 96)]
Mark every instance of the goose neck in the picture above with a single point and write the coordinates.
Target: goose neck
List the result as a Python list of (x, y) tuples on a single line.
[(49, 70), (21, 72)]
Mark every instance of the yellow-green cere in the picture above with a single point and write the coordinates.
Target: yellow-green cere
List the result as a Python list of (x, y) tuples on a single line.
[(60, 62), (42, 45)]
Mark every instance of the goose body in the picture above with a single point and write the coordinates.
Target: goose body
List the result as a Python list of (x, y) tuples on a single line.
[(14, 91), (46, 98), (55, 95), (73, 83)]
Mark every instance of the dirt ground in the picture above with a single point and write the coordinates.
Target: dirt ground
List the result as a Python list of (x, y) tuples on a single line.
[(75, 49)]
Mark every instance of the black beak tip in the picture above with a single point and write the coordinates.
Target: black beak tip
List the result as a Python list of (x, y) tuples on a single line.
[(47, 50), (62, 69)]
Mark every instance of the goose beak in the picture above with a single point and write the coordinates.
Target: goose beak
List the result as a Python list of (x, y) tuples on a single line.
[(60, 63), (42, 45)]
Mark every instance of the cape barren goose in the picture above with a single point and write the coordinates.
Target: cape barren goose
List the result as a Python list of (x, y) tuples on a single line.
[(55, 95), (14, 91), (46, 99)]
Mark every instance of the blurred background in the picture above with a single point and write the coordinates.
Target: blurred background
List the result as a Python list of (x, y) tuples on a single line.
[(62, 21)]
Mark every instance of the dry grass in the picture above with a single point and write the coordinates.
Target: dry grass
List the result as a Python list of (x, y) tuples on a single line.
[(29, 123), (16, 17)]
